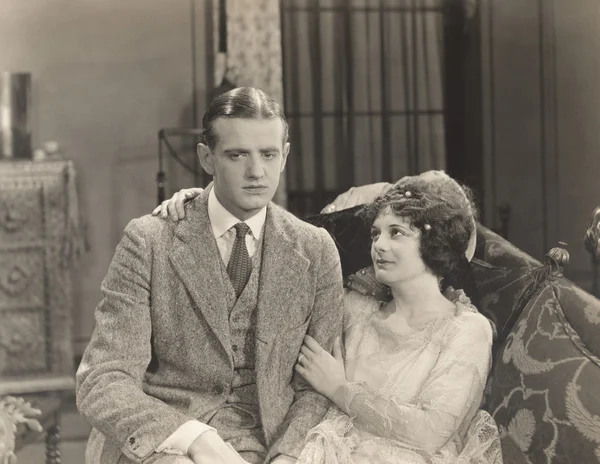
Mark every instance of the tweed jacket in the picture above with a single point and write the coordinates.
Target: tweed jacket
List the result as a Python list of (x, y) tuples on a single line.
[(160, 353)]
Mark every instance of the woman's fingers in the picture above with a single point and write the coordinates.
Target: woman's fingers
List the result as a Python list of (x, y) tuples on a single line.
[(172, 210), (179, 204), (174, 207), (300, 370), (337, 348), (305, 354), (164, 209), (193, 192), (312, 344), (183, 196)]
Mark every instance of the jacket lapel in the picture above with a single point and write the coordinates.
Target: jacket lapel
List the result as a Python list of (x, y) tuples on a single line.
[(282, 267), (195, 257)]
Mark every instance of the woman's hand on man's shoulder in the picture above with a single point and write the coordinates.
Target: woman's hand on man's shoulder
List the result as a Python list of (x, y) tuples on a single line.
[(174, 207)]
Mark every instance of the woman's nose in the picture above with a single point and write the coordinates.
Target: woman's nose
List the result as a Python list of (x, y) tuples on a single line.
[(380, 243)]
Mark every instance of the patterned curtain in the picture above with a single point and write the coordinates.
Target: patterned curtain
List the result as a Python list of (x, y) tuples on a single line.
[(253, 56)]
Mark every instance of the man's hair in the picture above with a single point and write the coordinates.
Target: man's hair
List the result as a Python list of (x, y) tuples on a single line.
[(242, 103), (441, 209)]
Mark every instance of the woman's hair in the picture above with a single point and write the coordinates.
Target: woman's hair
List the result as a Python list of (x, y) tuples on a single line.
[(243, 103), (440, 208)]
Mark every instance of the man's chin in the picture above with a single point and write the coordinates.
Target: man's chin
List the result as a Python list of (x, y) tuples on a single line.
[(262, 197), (256, 203)]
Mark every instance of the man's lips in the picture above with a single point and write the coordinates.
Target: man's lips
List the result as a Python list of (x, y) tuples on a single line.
[(255, 188)]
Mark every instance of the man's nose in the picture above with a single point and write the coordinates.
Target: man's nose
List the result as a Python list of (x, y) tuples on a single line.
[(254, 167)]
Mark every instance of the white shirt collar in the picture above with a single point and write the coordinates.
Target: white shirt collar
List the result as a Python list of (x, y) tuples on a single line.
[(222, 220)]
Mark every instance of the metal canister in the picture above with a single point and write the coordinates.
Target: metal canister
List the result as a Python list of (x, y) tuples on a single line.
[(15, 115)]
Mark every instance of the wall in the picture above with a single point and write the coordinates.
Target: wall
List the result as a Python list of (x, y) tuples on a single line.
[(541, 120), (577, 125), (106, 76)]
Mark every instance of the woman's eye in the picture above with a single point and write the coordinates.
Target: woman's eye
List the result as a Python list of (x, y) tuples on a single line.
[(396, 232), (374, 234)]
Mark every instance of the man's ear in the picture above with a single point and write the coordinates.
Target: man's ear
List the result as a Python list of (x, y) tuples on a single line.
[(206, 158), (284, 155)]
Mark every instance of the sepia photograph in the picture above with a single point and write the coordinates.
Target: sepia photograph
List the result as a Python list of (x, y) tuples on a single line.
[(299, 232)]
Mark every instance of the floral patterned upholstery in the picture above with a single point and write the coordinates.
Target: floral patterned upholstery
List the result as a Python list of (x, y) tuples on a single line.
[(543, 388), (581, 311)]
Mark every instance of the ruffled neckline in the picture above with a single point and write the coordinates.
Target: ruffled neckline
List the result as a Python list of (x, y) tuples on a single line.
[(462, 304)]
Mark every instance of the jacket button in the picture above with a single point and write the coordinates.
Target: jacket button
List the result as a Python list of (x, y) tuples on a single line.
[(219, 390), (131, 440), (234, 347)]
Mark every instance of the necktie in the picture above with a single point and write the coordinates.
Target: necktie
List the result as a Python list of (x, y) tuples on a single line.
[(240, 266)]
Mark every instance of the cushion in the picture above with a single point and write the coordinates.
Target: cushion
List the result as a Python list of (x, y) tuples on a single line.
[(357, 196), (500, 274), (543, 386), (496, 250), (581, 311), (352, 236)]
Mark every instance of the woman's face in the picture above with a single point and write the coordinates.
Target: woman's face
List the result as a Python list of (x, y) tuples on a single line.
[(395, 249)]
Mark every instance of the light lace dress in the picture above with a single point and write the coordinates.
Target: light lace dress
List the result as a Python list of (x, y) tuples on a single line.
[(412, 398)]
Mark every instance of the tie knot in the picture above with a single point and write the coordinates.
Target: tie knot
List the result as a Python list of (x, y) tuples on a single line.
[(241, 229)]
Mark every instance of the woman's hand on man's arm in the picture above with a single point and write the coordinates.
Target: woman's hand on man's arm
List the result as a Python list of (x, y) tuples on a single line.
[(324, 371)]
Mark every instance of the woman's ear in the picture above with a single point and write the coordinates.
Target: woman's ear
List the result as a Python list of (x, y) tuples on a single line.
[(206, 158)]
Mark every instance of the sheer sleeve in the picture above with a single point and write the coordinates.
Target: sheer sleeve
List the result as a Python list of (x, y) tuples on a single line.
[(452, 391)]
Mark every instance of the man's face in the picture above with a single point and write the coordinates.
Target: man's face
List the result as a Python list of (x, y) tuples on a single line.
[(246, 163)]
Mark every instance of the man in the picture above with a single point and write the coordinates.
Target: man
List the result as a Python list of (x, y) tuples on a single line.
[(201, 322)]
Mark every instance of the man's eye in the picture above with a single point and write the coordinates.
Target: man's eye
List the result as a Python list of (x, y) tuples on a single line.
[(235, 156), (271, 155)]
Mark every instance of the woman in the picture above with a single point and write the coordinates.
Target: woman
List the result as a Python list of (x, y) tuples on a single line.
[(408, 386)]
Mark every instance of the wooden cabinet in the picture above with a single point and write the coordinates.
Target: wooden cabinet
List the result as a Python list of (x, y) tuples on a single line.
[(39, 233)]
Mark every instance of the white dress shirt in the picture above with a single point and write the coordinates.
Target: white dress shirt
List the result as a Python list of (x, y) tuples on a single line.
[(221, 222)]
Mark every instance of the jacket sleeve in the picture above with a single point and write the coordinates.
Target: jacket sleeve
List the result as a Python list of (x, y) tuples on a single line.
[(109, 379), (309, 407)]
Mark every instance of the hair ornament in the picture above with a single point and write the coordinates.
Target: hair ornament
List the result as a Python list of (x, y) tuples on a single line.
[(427, 227), (408, 194)]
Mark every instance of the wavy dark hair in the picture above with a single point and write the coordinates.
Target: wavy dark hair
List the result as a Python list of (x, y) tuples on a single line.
[(441, 208), (242, 103)]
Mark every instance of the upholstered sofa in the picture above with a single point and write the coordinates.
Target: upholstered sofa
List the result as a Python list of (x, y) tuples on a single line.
[(544, 386)]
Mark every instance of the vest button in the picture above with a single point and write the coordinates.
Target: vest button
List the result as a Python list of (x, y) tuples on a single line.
[(234, 347), (219, 390)]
